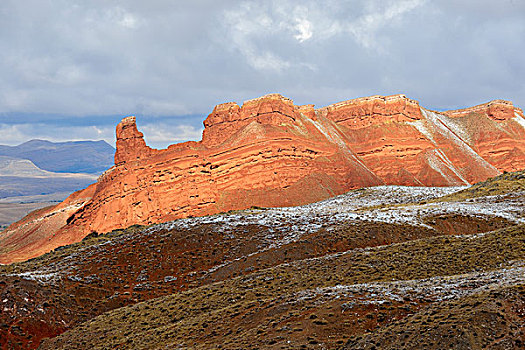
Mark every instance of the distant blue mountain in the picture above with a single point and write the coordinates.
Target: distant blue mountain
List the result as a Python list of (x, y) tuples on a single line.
[(92, 157)]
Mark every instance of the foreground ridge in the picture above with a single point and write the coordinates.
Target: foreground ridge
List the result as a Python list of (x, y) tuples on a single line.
[(385, 267), (269, 153)]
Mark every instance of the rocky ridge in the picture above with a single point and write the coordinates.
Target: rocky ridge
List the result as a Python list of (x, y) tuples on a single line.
[(269, 153)]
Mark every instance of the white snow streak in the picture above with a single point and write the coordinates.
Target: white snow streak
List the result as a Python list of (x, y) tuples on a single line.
[(442, 125), (421, 126), (519, 119)]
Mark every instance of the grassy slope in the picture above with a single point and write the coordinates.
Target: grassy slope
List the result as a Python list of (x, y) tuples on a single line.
[(506, 183), (232, 313), (493, 319)]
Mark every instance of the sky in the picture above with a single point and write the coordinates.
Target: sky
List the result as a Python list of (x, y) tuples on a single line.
[(71, 69)]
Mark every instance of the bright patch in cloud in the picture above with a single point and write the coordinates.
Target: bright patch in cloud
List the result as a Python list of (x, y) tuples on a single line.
[(254, 27), (122, 17), (304, 28), (366, 26), (128, 21)]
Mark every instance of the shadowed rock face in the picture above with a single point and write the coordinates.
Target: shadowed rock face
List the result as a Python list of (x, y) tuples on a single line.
[(271, 153)]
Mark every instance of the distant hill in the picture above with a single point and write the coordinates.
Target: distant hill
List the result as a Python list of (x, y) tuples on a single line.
[(21, 177), (25, 187), (19, 167), (91, 157)]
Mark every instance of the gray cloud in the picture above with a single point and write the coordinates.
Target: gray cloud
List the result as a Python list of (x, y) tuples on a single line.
[(78, 65)]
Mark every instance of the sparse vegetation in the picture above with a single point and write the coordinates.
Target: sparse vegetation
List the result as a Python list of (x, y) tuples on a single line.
[(367, 270), (252, 311), (508, 183)]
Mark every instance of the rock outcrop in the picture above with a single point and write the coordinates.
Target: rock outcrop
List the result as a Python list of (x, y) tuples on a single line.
[(130, 142), (269, 152)]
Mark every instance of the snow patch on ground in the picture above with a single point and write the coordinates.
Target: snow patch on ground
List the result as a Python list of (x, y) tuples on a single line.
[(39, 276), (275, 227), (309, 218), (401, 205), (439, 288)]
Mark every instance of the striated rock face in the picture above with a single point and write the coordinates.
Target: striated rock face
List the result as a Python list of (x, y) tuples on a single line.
[(375, 110), (498, 110), (495, 130), (269, 152)]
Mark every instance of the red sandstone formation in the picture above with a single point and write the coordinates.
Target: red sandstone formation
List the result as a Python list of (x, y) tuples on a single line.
[(270, 152)]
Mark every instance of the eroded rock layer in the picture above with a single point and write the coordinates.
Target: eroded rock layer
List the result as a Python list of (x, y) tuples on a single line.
[(269, 152)]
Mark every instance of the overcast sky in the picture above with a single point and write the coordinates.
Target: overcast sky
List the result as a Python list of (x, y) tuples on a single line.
[(70, 69)]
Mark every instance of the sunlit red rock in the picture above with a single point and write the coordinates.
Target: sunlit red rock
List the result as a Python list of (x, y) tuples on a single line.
[(269, 152)]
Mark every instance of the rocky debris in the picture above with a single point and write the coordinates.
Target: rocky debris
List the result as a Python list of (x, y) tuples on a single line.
[(271, 153)]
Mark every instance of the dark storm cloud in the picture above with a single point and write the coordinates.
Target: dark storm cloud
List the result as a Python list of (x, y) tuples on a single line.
[(83, 64)]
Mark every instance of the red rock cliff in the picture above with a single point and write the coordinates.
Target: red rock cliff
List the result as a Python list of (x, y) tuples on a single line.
[(269, 152), (130, 142)]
